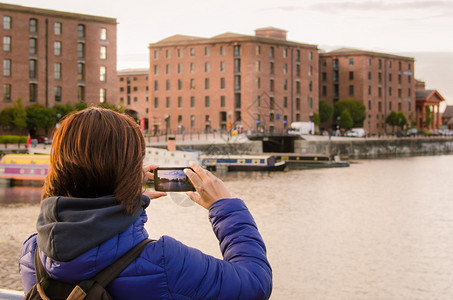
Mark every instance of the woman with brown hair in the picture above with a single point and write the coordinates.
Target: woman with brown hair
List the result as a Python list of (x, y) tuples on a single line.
[(93, 212)]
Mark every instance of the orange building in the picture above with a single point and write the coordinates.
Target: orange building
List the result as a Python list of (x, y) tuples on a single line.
[(383, 82), (427, 107), (51, 57), (133, 92), (231, 81)]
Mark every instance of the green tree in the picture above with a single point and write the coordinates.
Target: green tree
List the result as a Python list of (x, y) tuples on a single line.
[(428, 116), (81, 105), (396, 119), (39, 116), (62, 110), (325, 111), (346, 121), (315, 119), (13, 117), (356, 109)]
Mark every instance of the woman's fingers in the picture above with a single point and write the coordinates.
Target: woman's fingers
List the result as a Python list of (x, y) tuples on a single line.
[(155, 195)]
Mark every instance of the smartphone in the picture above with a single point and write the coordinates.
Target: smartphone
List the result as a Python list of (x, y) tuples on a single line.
[(172, 180)]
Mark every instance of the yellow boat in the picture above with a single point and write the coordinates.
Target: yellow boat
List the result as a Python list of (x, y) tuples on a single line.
[(24, 166)]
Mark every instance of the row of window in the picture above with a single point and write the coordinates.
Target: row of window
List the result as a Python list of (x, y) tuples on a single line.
[(237, 68), (33, 93), (57, 45), (335, 77), (335, 63), (351, 91), (57, 28), (33, 70), (236, 52)]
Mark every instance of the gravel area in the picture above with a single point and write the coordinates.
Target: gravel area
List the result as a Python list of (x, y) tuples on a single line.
[(17, 223)]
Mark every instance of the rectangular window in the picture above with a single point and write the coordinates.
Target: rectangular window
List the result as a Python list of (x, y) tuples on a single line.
[(192, 121), (222, 101), (192, 101), (179, 53), (167, 84), (271, 52), (80, 50), (156, 54), (33, 25), (167, 53), (7, 92), (103, 74), (271, 85), (33, 92), (369, 105), (310, 70), (351, 75), (258, 83), (258, 66), (7, 43), (324, 90), (369, 75), (80, 72), (237, 65), (81, 93), (206, 83), (167, 69), (310, 56), (167, 100), (222, 66), (103, 52), (310, 86), (298, 86), (192, 51), (271, 68), (32, 68), (310, 103), (237, 50), (57, 28), (390, 77), (222, 50), (351, 90), (179, 102), (6, 22), (222, 83), (179, 68), (81, 31), (298, 55), (179, 84), (57, 71), (206, 51), (285, 53), (298, 103), (192, 68), (57, 48), (206, 101), (7, 67), (102, 95), (351, 61), (271, 103), (58, 94), (237, 82), (285, 102), (285, 69), (156, 85), (298, 70), (285, 84), (32, 46), (192, 83), (156, 102), (207, 67)]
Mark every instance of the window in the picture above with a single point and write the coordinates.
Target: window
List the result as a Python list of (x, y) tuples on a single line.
[(207, 67), (167, 100), (258, 50), (285, 102), (298, 86), (351, 90), (206, 51), (298, 70), (7, 43), (285, 84), (369, 90), (222, 101), (206, 101), (351, 61), (81, 93), (271, 85), (156, 85), (156, 54), (310, 103), (324, 90), (80, 50), (237, 50), (81, 31), (271, 103), (6, 22), (179, 84), (237, 82), (310, 70), (167, 53), (179, 53), (324, 76), (298, 103), (103, 52), (258, 66), (237, 65), (369, 75), (192, 121), (167, 84), (57, 48), (103, 74), (7, 67), (156, 69), (179, 102), (258, 83), (285, 69), (222, 50), (179, 68), (57, 70), (310, 86), (222, 66), (32, 46), (351, 75), (32, 68), (369, 61), (58, 94), (57, 28), (192, 68), (390, 77), (80, 71), (33, 25), (310, 55), (298, 55), (192, 101), (271, 68), (206, 83), (369, 106), (285, 53), (271, 52), (192, 83), (222, 83), (167, 69), (192, 51), (7, 92), (33, 92)]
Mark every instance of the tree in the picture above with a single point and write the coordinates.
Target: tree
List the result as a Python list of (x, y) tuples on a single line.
[(428, 116), (315, 119), (396, 119), (325, 111), (355, 108), (346, 121), (39, 116), (13, 117)]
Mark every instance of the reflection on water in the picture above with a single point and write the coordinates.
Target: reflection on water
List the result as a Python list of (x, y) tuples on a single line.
[(20, 192), (380, 229)]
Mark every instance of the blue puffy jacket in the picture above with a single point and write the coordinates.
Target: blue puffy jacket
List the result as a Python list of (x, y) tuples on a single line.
[(75, 244)]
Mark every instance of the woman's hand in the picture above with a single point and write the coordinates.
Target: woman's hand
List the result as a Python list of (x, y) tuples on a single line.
[(150, 176), (209, 187)]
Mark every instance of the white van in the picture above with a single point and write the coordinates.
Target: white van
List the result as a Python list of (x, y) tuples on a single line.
[(356, 132)]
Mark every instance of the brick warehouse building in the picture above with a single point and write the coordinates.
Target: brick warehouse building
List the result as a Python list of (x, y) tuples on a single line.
[(133, 93), (383, 82), (261, 82), (51, 57)]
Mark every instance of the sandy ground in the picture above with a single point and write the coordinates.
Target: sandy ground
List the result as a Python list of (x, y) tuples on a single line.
[(17, 223)]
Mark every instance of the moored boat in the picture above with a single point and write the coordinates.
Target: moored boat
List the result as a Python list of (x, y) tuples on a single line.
[(294, 160), (242, 162), (24, 166)]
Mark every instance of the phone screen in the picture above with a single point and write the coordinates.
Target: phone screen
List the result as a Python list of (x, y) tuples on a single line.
[(172, 180)]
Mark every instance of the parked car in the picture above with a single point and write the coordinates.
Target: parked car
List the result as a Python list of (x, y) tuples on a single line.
[(356, 132), (412, 132), (41, 139)]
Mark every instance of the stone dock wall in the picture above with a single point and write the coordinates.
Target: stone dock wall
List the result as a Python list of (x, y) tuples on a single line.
[(372, 148)]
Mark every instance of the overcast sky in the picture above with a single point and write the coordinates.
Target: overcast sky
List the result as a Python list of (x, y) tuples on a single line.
[(390, 26)]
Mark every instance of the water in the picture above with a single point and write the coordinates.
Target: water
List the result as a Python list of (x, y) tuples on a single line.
[(380, 229)]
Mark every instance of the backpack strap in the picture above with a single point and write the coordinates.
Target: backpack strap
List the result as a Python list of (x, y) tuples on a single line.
[(40, 272)]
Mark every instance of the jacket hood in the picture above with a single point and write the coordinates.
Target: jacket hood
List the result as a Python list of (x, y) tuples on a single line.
[(68, 227)]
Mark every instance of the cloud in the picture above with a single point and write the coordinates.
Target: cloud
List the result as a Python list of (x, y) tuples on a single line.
[(334, 7)]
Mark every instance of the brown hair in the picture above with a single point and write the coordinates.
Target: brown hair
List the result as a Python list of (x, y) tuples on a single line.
[(97, 152)]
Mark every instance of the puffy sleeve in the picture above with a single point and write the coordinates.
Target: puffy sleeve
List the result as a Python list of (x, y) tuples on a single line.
[(244, 272), (26, 263)]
